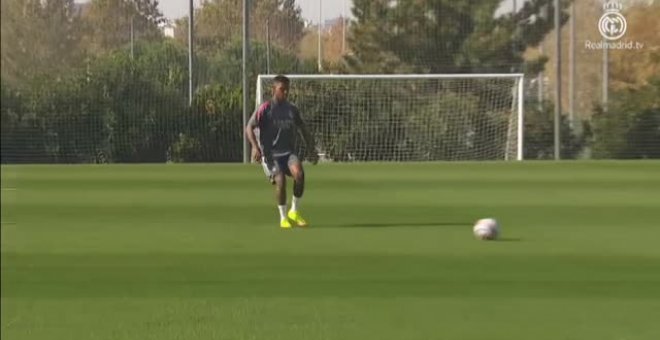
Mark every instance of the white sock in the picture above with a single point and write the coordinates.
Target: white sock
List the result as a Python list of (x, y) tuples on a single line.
[(295, 202), (282, 209)]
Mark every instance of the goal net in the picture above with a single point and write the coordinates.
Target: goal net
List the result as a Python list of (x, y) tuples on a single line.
[(430, 117)]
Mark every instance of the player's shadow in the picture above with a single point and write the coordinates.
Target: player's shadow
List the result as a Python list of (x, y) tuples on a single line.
[(401, 224)]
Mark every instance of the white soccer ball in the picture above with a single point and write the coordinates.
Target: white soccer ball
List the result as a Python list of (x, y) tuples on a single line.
[(486, 229)]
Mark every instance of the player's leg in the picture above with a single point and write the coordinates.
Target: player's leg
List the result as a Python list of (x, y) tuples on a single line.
[(279, 178), (296, 171), (298, 174)]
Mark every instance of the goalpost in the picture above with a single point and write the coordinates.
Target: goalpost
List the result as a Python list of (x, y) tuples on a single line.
[(409, 117)]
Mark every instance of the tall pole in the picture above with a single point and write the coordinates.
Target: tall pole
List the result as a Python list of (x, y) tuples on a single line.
[(571, 71), (541, 80), (606, 75), (544, 14), (246, 46), (343, 28), (558, 77), (132, 38), (191, 25), (515, 33), (268, 45), (320, 58), (514, 8)]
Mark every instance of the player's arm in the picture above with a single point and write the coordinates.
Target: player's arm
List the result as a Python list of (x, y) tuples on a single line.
[(252, 124), (307, 136)]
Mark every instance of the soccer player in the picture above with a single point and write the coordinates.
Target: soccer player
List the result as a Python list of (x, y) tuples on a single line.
[(279, 123)]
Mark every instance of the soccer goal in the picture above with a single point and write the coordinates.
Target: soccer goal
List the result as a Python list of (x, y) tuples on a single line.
[(412, 117)]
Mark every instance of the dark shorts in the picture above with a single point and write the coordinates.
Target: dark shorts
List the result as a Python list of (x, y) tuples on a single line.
[(279, 164)]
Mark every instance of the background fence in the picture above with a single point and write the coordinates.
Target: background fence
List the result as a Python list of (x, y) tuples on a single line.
[(107, 80)]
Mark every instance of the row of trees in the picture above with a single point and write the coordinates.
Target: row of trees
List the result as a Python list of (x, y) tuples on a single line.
[(386, 36), (74, 88), (130, 109), (54, 37)]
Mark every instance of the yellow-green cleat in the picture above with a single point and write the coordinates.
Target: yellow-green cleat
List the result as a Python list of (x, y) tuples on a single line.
[(297, 218), (285, 224)]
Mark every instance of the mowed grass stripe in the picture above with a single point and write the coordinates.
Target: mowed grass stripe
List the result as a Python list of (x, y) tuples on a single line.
[(194, 251)]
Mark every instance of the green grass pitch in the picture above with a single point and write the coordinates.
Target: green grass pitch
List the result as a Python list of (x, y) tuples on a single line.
[(195, 252)]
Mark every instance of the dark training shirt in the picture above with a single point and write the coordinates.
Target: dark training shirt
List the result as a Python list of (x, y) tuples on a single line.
[(278, 124)]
